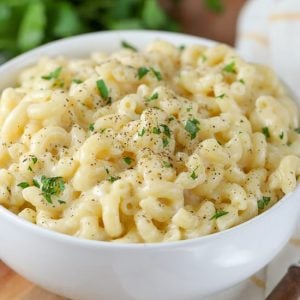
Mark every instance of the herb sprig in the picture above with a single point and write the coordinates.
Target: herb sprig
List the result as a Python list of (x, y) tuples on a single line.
[(219, 214), (263, 202), (192, 127)]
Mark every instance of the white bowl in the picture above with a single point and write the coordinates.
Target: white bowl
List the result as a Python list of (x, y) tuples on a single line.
[(82, 269)]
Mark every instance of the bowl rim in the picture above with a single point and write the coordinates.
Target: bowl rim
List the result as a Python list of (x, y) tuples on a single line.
[(61, 237)]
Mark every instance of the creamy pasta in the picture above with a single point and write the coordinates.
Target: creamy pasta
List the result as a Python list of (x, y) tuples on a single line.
[(165, 144)]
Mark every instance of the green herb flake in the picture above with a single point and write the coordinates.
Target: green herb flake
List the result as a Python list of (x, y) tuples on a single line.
[(91, 127), (193, 175), (189, 109), (113, 178), (167, 164), (156, 130), (153, 97), (221, 96), (34, 159), (77, 81), (61, 201), (23, 185), (262, 203), (166, 130), (242, 81), (281, 135), (53, 75), (142, 71), (102, 130), (266, 132), (181, 48), (297, 130), (127, 160), (203, 58), (141, 133), (36, 183), (126, 45), (171, 119), (218, 214), (157, 74), (103, 90), (165, 142), (230, 68), (51, 186), (192, 127)]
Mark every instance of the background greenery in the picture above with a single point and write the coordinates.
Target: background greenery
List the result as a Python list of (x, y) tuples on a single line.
[(25, 24)]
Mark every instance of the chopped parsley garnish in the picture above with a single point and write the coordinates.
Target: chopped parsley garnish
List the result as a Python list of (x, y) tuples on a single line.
[(36, 183), (166, 130), (113, 178), (166, 164), (23, 185), (53, 75), (127, 160), (189, 109), (91, 127), (156, 73), (153, 97), (242, 81), (171, 119), (141, 133), (51, 186), (203, 58), (230, 68), (156, 130), (77, 81), (218, 214), (142, 71), (103, 90), (34, 160), (221, 96), (181, 47), (192, 127), (266, 132), (61, 201), (262, 203), (125, 44), (297, 130), (102, 130), (281, 135), (165, 142), (193, 175)]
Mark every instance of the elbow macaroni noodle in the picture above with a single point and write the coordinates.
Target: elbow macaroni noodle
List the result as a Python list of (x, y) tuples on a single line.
[(154, 146)]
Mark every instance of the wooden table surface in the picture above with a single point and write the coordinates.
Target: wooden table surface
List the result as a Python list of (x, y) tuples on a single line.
[(15, 287)]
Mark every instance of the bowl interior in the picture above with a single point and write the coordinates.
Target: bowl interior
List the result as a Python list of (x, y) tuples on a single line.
[(82, 46)]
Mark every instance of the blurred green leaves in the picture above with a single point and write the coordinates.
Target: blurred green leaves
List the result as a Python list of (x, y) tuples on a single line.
[(31, 30), (25, 24)]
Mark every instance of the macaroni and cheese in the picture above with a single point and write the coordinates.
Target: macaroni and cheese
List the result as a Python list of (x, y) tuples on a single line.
[(165, 144)]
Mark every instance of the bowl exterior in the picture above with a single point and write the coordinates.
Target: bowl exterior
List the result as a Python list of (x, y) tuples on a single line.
[(184, 270), (87, 270)]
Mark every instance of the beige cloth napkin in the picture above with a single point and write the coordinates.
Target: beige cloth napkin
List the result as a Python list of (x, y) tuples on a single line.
[(269, 33)]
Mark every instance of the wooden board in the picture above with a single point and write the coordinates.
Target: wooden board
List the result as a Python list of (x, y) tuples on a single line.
[(15, 287)]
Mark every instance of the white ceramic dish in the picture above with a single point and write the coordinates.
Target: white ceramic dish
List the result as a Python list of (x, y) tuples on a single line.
[(88, 270)]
